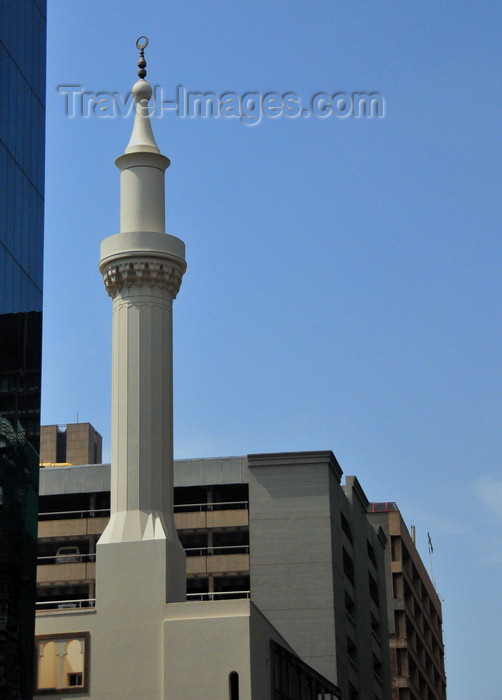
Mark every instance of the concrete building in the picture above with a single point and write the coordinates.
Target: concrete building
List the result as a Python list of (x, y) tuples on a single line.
[(278, 528), (75, 443), (414, 608), (142, 639), (22, 144)]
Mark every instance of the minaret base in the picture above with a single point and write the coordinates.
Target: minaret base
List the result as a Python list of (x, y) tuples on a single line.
[(137, 552)]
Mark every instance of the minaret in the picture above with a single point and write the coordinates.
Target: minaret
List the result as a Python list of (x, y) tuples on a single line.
[(142, 267)]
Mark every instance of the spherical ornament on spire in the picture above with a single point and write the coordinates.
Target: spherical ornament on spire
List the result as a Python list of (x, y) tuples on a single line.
[(142, 90)]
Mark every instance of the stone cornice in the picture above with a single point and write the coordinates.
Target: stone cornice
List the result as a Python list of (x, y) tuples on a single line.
[(140, 272)]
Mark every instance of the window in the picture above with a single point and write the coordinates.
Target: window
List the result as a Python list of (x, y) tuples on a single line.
[(233, 685), (61, 445), (371, 554), (350, 608), (348, 566), (352, 653), (62, 663), (373, 589), (346, 528), (292, 679), (75, 679)]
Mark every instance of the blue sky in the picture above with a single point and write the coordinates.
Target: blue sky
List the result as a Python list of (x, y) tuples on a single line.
[(343, 288)]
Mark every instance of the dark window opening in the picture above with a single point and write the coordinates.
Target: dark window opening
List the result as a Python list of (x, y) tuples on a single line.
[(350, 607), (230, 586), (74, 505), (233, 684), (371, 554), (75, 679), (348, 566), (197, 587), (61, 446), (190, 495), (373, 588), (218, 497), (346, 528), (194, 543), (64, 596), (236, 540)]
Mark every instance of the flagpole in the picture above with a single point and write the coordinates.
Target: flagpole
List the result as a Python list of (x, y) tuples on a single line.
[(431, 549)]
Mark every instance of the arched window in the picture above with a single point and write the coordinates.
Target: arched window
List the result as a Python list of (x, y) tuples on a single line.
[(62, 662), (233, 685), (47, 666), (73, 666)]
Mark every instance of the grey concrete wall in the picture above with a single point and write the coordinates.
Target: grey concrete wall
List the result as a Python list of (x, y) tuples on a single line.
[(187, 472), (291, 552), (80, 479)]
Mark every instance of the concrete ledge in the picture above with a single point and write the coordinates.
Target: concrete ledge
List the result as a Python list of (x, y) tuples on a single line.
[(292, 459)]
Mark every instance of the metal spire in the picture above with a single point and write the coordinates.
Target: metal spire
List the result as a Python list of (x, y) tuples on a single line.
[(142, 138), (141, 45)]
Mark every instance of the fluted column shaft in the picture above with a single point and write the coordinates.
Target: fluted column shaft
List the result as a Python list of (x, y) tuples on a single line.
[(142, 424)]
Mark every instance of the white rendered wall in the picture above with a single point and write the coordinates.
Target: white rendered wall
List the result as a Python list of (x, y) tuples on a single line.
[(143, 650), (142, 200)]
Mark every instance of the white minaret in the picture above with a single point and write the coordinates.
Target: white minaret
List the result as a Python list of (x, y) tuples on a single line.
[(142, 267)]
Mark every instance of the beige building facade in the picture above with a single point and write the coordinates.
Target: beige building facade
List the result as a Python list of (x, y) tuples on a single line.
[(75, 443), (415, 616)]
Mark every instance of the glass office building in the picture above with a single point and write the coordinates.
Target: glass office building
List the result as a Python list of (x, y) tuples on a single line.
[(22, 137)]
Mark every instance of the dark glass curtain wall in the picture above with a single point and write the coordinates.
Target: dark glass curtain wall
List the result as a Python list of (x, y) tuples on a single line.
[(22, 136)]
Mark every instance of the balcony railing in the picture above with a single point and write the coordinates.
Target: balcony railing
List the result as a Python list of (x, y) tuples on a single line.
[(209, 551), (66, 558), (178, 508), (220, 595), (190, 551), (71, 514), (79, 603), (66, 604), (220, 505)]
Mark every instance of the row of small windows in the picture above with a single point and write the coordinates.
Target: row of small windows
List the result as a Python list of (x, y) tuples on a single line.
[(416, 603), (224, 542), (348, 570), (431, 652), (14, 382), (407, 667), (186, 499)]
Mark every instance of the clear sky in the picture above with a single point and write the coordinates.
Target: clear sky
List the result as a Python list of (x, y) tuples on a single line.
[(343, 288)]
